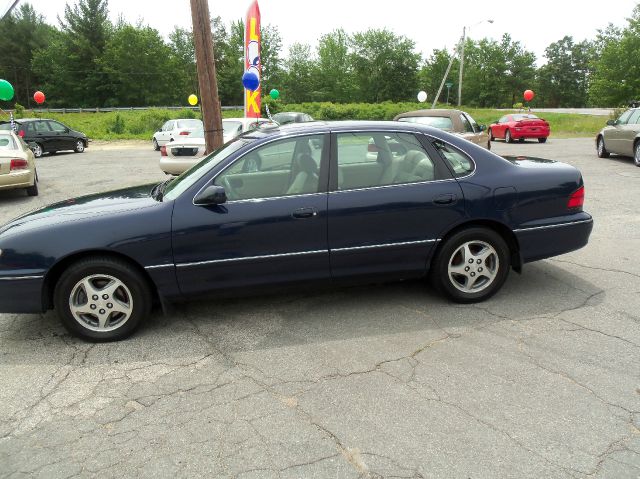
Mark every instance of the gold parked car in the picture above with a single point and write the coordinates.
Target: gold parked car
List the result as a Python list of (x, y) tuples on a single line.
[(453, 121), (621, 136), (17, 164)]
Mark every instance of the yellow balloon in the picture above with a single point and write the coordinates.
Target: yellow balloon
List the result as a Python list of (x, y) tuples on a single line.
[(193, 100)]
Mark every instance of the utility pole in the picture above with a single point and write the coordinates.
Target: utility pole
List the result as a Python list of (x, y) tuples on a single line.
[(207, 81), (462, 42)]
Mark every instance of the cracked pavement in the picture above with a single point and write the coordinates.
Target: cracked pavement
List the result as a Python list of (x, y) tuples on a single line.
[(543, 380)]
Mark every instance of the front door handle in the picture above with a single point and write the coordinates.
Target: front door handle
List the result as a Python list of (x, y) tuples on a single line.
[(302, 213), (444, 199)]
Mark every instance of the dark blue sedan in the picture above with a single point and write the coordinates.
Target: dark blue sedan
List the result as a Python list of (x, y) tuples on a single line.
[(302, 203)]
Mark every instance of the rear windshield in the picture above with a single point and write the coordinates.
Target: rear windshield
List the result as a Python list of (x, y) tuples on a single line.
[(229, 127), (7, 143), (189, 124), (523, 116), (440, 122)]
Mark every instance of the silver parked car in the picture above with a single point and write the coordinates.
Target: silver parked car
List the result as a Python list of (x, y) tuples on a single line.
[(621, 136)]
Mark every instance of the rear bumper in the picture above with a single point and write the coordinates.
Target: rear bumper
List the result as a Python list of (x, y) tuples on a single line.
[(17, 179), (21, 294), (545, 240), (174, 166), (529, 133)]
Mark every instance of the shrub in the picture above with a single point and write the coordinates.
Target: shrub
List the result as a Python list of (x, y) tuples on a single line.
[(117, 126)]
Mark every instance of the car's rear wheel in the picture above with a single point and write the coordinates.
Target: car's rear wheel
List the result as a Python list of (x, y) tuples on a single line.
[(602, 150), (79, 146), (636, 153), (542, 140), (33, 189), (102, 299), (37, 150), (471, 266), (156, 147), (507, 137)]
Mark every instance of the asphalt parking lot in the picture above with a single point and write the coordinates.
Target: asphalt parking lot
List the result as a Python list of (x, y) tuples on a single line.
[(543, 380)]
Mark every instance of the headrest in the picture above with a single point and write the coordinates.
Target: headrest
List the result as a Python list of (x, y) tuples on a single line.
[(307, 164)]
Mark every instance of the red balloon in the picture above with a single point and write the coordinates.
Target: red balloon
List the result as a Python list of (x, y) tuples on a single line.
[(528, 95), (38, 97)]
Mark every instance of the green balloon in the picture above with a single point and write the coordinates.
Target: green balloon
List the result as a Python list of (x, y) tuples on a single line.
[(274, 94), (6, 90)]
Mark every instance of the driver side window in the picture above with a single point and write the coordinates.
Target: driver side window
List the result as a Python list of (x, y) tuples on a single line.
[(282, 168)]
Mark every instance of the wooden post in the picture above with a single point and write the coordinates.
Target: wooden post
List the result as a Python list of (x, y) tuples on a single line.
[(205, 62)]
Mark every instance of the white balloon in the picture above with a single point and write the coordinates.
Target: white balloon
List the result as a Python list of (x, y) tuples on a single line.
[(422, 96)]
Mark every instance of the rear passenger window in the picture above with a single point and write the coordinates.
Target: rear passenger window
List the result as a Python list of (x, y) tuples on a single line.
[(367, 160), (460, 163), (634, 119)]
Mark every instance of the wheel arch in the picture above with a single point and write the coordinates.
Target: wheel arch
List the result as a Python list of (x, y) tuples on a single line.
[(55, 272), (503, 230)]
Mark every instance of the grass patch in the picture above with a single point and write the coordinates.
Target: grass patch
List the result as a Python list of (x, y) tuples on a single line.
[(141, 124)]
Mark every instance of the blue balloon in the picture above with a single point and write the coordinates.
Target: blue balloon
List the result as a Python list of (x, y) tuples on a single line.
[(250, 81)]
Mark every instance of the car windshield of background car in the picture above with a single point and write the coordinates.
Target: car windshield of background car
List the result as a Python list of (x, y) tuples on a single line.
[(189, 124), (440, 122), (192, 175), (231, 127)]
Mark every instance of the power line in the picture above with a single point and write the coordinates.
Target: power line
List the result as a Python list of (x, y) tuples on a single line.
[(9, 9)]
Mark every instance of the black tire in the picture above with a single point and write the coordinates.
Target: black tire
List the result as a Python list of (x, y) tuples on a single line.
[(636, 153), (37, 150), (33, 189), (521, 140), (135, 293), (80, 146), (601, 149), (507, 137), (154, 142), (542, 140), (496, 265), (491, 137)]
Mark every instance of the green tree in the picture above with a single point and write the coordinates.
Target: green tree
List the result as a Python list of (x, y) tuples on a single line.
[(385, 66), (135, 63), (299, 85), (21, 35), (562, 81), (616, 66), (334, 75), (432, 71)]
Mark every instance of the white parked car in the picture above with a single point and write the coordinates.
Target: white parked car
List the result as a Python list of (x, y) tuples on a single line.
[(174, 130), (17, 164), (180, 155)]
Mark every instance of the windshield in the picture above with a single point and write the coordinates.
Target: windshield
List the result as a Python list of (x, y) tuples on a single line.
[(283, 118), (229, 127), (183, 182), (189, 124), (441, 122)]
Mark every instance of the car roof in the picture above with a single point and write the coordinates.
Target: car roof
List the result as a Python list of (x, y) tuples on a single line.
[(431, 112)]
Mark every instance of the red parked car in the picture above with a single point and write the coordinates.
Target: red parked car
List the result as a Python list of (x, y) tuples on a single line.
[(519, 126)]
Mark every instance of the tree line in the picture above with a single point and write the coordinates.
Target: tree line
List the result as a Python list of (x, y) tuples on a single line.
[(88, 61)]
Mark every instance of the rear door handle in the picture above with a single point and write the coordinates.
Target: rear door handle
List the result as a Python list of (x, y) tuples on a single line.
[(305, 213), (444, 199)]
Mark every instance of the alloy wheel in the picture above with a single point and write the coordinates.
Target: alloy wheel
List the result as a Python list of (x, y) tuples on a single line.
[(473, 266), (101, 302)]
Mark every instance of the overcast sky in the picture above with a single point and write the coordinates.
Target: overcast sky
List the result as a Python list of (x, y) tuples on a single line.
[(431, 24)]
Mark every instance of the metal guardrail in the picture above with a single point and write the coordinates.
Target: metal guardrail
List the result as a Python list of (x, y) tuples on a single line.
[(121, 108)]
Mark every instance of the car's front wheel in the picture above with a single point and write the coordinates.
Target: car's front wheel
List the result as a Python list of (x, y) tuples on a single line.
[(602, 150), (636, 153), (79, 146), (102, 299), (156, 147), (491, 137), (471, 266)]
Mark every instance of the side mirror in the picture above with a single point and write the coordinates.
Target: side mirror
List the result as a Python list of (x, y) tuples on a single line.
[(211, 195), (483, 127), (611, 122)]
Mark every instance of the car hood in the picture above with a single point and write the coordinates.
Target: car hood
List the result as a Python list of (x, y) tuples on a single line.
[(95, 205)]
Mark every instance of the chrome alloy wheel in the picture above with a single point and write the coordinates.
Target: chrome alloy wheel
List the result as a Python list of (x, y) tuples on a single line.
[(473, 266), (636, 156), (101, 302)]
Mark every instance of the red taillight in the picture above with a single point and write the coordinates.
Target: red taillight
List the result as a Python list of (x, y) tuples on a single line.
[(372, 148), (163, 151), (21, 133), (185, 132), (19, 164), (576, 200)]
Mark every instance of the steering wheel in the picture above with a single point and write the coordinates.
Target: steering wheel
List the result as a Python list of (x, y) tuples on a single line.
[(231, 192)]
